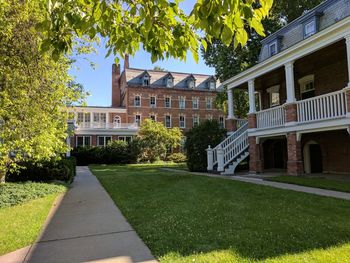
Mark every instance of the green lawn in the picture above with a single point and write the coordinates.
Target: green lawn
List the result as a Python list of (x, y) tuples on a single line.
[(189, 218), (23, 210), (313, 182)]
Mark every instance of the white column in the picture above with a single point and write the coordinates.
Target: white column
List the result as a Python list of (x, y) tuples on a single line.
[(289, 70), (347, 40), (210, 158), (107, 119), (231, 107), (251, 92), (220, 157), (68, 144)]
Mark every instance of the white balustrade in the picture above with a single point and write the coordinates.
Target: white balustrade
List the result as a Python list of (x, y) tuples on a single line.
[(98, 125), (229, 140), (331, 105), (233, 150), (272, 117)]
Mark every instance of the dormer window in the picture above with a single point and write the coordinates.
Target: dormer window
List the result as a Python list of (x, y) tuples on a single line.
[(309, 28), (145, 80), (191, 84), (169, 82), (212, 85), (273, 48)]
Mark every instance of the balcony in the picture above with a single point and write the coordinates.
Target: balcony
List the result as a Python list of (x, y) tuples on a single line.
[(331, 107), (106, 126)]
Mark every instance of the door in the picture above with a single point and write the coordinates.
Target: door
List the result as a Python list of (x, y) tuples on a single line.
[(316, 165)]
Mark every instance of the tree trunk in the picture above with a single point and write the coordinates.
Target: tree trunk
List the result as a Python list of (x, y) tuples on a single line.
[(2, 176)]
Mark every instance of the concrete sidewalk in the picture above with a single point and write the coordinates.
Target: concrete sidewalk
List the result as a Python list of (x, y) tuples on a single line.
[(88, 227), (293, 187)]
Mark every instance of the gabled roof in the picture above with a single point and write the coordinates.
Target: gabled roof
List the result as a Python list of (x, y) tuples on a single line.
[(134, 78)]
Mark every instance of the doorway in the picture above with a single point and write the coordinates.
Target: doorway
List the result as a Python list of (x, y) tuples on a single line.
[(313, 160)]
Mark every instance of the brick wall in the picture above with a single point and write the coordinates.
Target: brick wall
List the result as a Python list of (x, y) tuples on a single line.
[(160, 111), (335, 147)]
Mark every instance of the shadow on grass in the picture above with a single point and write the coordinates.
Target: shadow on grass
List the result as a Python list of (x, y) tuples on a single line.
[(188, 214)]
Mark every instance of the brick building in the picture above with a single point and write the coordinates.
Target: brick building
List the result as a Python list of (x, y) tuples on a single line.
[(302, 83), (174, 98)]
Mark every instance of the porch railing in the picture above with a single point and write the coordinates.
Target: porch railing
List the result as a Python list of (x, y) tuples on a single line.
[(273, 117), (330, 105), (97, 125)]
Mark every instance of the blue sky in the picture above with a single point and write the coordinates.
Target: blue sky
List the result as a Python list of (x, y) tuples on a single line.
[(98, 81)]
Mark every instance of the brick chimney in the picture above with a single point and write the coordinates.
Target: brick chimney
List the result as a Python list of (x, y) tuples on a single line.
[(116, 85), (126, 61)]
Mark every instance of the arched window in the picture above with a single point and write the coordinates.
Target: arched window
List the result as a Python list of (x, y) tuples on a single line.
[(117, 121)]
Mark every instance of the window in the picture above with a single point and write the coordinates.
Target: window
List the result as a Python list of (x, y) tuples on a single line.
[(191, 84), (182, 122), (125, 138), (137, 101), (182, 102), (168, 121), (145, 80), (274, 94), (222, 122), (99, 119), (169, 82), (209, 103), (195, 120), (212, 85), (195, 103), (273, 48), (307, 88), (83, 141), (309, 28), (153, 102), (117, 121), (103, 140), (153, 117), (167, 102), (209, 117), (84, 119), (138, 119)]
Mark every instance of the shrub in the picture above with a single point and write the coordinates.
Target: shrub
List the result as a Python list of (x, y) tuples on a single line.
[(197, 141), (17, 193), (61, 170), (177, 158), (116, 152)]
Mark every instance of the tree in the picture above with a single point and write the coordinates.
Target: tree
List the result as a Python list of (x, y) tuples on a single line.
[(34, 89), (198, 138), (229, 61), (161, 26), (158, 68), (156, 139)]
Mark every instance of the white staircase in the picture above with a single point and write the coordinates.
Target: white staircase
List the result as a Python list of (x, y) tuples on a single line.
[(226, 156)]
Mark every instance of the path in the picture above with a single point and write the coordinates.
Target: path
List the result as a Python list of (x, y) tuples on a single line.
[(88, 227), (293, 187)]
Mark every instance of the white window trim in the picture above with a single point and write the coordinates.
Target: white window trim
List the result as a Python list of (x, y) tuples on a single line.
[(171, 83), (193, 121), (197, 100), (137, 96), (135, 119), (104, 140), (76, 140), (165, 123), (274, 43), (184, 121), (212, 85), (313, 22), (165, 106), (155, 102), (184, 102), (305, 80), (210, 101), (271, 90), (146, 77)]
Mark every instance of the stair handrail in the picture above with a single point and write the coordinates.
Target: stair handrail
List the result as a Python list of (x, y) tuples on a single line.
[(228, 140), (236, 147)]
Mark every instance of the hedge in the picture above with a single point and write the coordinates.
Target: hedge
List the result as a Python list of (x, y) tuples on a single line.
[(60, 170)]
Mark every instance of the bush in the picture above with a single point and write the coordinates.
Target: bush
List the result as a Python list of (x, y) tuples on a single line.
[(116, 152), (177, 158), (61, 170), (17, 193), (197, 141)]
